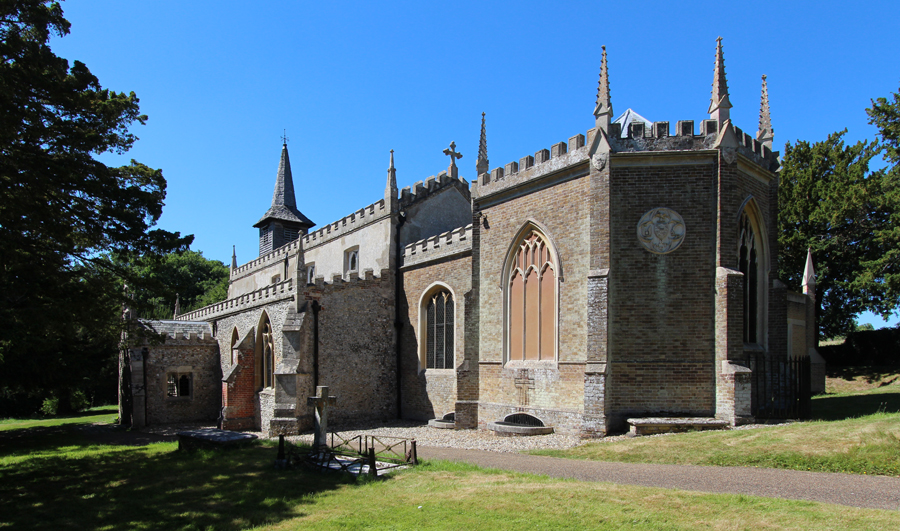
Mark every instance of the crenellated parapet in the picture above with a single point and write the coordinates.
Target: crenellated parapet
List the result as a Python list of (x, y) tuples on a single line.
[(354, 221), (544, 162), (266, 260), (450, 243), (272, 293), (432, 185), (337, 281)]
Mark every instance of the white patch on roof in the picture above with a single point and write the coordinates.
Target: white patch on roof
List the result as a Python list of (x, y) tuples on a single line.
[(629, 116)]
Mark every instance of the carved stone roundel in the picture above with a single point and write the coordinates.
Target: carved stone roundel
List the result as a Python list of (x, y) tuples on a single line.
[(661, 230)]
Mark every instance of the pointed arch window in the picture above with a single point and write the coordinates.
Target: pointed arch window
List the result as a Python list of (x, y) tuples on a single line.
[(438, 336), (531, 299), (751, 262), (265, 364)]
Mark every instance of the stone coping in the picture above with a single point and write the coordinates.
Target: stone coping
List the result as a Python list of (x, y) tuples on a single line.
[(654, 425), (505, 428)]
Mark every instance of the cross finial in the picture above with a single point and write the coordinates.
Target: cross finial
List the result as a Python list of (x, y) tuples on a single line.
[(284, 137), (451, 151)]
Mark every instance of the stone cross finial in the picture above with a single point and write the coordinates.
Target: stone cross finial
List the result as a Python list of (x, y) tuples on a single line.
[(284, 137), (321, 402), (451, 151)]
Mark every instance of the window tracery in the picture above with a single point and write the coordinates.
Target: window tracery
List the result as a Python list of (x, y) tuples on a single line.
[(531, 305)]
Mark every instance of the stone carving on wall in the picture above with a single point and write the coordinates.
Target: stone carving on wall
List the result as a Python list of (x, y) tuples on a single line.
[(661, 230)]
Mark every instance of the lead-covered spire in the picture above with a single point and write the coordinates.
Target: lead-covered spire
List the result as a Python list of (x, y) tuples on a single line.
[(766, 134), (482, 165), (603, 107), (719, 104), (284, 204)]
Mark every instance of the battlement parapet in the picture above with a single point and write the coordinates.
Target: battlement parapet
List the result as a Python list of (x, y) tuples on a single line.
[(545, 161), (449, 243), (313, 291), (354, 221), (657, 138), (272, 293), (194, 331), (266, 260), (420, 190)]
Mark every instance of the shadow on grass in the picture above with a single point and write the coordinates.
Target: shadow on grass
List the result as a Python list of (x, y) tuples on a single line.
[(845, 407), (881, 374), (152, 487)]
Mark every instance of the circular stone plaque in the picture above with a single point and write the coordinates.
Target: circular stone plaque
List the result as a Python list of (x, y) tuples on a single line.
[(660, 230)]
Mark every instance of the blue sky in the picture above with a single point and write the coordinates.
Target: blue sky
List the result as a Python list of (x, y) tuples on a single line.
[(350, 81)]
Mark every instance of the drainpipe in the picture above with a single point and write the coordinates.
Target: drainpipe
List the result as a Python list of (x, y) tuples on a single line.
[(398, 324), (315, 309)]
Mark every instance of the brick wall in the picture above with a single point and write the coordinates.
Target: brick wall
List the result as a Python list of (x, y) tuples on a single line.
[(431, 393), (662, 306)]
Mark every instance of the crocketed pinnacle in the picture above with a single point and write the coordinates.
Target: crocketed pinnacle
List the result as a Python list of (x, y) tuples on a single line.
[(482, 165), (284, 204), (719, 103), (390, 189), (233, 257), (765, 134), (603, 107)]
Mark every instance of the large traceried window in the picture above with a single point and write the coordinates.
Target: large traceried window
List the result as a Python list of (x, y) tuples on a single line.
[(438, 336), (752, 263), (531, 299)]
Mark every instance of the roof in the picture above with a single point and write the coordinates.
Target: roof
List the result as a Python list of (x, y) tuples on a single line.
[(284, 204), (626, 119)]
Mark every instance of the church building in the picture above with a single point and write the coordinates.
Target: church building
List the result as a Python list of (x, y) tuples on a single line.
[(628, 272)]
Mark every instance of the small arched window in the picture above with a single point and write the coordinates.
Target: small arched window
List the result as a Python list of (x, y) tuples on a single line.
[(531, 293), (268, 356), (438, 333)]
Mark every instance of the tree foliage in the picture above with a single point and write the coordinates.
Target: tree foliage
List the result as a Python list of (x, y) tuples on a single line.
[(61, 209), (831, 202)]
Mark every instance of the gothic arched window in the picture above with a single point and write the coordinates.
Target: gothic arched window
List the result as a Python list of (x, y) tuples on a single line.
[(438, 333), (531, 299), (268, 356), (751, 262)]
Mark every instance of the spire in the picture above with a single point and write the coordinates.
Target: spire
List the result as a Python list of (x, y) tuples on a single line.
[(765, 134), (390, 190), (603, 107), (809, 275), (719, 104), (482, 166), (233, 257), (284, 204)]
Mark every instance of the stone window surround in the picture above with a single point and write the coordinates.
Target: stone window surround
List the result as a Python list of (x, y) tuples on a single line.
[(423, 326), (177, 373), (311, 273), (757, 224), (527, 228), (351, 260), (265, 362)]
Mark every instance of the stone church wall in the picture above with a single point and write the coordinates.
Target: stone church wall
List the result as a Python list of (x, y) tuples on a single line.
[(551, 391), (197, 358), (662, 306), (431, 393), (357, 354)]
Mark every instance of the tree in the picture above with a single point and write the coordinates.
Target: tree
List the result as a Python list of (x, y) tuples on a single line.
[(60, 208), (196, 280), (849, 216)]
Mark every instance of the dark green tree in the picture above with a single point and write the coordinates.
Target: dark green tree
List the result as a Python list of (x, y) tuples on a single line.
[(61, 209), (832, 202)]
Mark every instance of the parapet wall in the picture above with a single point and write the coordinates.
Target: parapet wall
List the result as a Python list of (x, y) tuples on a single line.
[(638, 137), (265, 260), (420, 190), (354, 221), (266, 295), (443, 245)]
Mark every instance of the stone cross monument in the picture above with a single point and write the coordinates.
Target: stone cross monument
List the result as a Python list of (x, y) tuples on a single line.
[(451, 151), (321, 402)]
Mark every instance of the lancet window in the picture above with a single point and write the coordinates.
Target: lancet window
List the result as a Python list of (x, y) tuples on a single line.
[(531, 300), (749, 264), (438, 334), (268, 356)]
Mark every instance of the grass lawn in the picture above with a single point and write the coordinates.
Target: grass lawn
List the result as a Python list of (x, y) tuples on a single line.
[(855, 431), (62, 480)]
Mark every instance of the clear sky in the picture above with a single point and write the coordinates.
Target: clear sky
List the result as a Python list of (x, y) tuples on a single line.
[(350, 81)]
